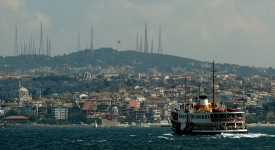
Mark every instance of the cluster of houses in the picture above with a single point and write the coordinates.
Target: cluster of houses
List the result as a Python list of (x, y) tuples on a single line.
[(147, 100)]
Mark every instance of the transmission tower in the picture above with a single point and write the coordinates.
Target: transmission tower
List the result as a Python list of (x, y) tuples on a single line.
[(41, 47), (137, 44), (92, 46), (145, 40), (16, 44), (160, 42), (79, 48)]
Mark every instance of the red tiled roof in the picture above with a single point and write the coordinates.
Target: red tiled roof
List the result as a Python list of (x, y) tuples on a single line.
[(16, 118), (132, 103), (88, 106), (82, 101)]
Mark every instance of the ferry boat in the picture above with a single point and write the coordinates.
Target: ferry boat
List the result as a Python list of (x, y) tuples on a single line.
[(203, 117)]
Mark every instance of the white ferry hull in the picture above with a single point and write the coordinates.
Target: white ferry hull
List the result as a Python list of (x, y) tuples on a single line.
[(209, 132)]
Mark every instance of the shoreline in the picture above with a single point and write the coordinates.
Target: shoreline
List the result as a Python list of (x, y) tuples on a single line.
[(92, 126)]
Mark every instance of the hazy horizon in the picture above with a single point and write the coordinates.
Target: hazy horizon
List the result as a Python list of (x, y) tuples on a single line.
[(235, 32)]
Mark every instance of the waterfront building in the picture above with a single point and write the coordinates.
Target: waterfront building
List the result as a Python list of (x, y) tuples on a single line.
[(59, 111)]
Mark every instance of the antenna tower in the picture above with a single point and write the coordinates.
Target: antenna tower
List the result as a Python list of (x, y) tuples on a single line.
[(137, 44), (145, 40), (140, 46), (78, 41), (160, 42), (92, 46), (152, 46), (41, 48), (16, 44)]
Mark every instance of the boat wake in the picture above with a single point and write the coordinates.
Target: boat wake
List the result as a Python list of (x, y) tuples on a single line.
[(249, 135), (167, 136)]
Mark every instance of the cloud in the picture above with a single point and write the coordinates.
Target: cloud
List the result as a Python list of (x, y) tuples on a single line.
[(195, 29), (12, 4)]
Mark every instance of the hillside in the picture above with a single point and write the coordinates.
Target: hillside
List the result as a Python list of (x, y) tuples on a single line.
[(141, 62)]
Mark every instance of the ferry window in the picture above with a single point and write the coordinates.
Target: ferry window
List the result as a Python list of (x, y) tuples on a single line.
[(222, 115)]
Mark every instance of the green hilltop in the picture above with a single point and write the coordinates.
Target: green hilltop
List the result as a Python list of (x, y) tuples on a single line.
[(141, 62)]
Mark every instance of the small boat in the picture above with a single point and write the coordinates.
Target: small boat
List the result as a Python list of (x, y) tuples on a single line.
[(95, 125)]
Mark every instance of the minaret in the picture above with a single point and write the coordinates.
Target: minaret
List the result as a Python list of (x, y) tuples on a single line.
[(16, 44), (160, 42), (137, 44), (152, 46), (92, 46), (145, 40), (41, 48), (78, 41)]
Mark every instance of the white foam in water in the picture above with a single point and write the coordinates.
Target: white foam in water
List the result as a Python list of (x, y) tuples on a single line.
[(163, 137), (132, 135), (249, 135), (102, 141), (167, 134)]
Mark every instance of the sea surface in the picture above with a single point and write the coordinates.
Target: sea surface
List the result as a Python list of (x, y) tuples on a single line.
[(130, 138)]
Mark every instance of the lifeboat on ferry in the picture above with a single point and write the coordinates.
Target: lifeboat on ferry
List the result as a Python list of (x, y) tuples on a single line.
[(217, 109), (231, 109)]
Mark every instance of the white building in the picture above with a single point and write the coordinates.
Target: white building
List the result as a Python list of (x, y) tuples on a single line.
[(59, 111)]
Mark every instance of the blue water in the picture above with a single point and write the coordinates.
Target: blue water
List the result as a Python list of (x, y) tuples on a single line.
[(130, 138)]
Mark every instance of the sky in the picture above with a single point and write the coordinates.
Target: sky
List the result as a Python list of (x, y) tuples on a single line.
[(227, 31)]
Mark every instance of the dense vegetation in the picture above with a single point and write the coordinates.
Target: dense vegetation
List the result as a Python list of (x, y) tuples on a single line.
[(141, 62)]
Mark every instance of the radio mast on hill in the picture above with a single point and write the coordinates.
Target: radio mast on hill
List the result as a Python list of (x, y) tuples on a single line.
[(48, 47), (160, 42), (152, 46), (16, 44), (140, 46), (78, 41), (41, 48), (137, 44), (145, 40), (92, 46)]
